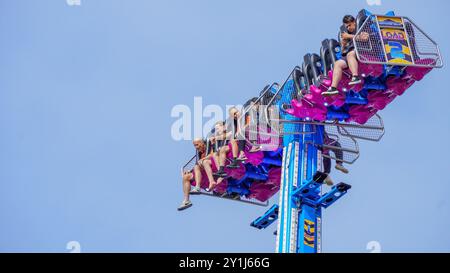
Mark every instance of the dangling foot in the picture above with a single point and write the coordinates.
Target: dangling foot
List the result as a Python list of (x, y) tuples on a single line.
[(234, 164), (328, 181), (236, 196), (332, 91), (195, 190), (185, 205), (341, 168), (220, 173), (355, 80), (255, 149), (242, 157), (211, 186)]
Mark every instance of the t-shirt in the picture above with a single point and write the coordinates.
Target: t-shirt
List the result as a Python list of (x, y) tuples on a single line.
[(349, 45), (233, 127), (220, 144)]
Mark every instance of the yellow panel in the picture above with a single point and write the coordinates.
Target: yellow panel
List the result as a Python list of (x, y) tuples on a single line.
[(399, 61)]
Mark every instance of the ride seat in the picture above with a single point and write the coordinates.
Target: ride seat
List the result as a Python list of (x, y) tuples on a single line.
[(329, 54), (299, 82), (312, 68)]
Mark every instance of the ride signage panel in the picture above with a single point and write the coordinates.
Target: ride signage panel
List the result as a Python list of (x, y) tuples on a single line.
[(390, 22), (395, 40)]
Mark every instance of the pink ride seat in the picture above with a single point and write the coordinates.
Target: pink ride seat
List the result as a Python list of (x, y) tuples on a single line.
[(372, 70), (418, 73), (398, 86), (361, 113), (380, 99), (263, 191)]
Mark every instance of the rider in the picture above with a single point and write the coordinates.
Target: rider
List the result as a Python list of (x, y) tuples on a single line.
[(222, 138), (251, 122), (348, 60), (195, 174), (237, 137), (327, 161)]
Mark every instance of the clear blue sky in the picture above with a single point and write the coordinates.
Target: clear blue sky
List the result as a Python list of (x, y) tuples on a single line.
[(85, 147)]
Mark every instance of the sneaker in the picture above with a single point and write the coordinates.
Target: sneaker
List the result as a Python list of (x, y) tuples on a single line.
[(341, 168), (220, 174), (195, 190), (185, 205), (234, 196), (355, 80), (255, 149), (328, 181), (211, 187), (241, 159), (330, 92), (234, 164)]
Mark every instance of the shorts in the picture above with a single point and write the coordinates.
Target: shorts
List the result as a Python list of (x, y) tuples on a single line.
[(344, 56)]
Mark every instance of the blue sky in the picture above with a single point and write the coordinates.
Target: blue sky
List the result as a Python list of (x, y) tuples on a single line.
[(86, 152)]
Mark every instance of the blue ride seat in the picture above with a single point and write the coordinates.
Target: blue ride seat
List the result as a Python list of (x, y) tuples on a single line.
[(372, 83), (339, 114), (299, 81), (312, 68), (330, 52), (255, 174), (356, 98), (273, 158), (362, 17), (278, 152), (272, 161)]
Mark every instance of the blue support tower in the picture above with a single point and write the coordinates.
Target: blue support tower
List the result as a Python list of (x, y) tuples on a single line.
[(300, 198), (299, 226)]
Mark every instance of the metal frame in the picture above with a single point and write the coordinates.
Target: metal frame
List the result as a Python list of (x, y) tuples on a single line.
[(408, 40), (334, 148), (381, 38), (340, 127), (439, 55), (241, 200), (346, 133), (349, 125), (189, 161), (282, 87), (374, 17)]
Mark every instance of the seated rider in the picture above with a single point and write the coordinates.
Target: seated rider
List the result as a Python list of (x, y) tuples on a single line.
[(327, 161), (195, 174), (238, 138), (349, 59), (251, 123), (221, 138)]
